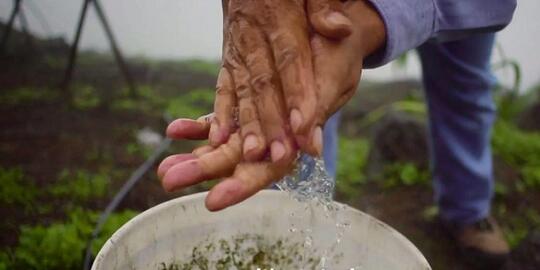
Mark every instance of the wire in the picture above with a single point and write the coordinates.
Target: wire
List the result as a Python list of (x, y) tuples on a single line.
[(128, 185)]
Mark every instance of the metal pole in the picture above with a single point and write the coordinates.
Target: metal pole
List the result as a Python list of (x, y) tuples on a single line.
[(116, 51), (34, 9), (73, 51), (25, 27), (9, 26)]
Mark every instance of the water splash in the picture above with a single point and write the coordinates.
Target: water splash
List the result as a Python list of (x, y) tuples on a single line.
[(309, 183)]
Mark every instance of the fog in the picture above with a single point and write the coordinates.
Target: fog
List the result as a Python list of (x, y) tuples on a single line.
[(179, 29)]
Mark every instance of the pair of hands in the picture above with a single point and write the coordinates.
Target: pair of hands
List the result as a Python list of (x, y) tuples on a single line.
[(287, 67)]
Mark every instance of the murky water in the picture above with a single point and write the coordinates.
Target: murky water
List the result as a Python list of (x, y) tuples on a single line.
[(310, 183)]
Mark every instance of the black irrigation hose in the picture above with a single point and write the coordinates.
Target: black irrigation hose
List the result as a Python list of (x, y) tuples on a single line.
[(135, 177)]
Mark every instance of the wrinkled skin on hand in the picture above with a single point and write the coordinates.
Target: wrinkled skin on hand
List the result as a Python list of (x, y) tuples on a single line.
[(251, 80), (266, 57)]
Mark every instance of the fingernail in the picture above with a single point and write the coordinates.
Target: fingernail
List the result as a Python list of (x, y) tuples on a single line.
[(250, 143), (277, 151), (337, 18), (296, 120), (318, 140)]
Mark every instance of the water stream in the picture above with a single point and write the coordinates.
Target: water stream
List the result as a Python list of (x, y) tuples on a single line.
[(310, 184)]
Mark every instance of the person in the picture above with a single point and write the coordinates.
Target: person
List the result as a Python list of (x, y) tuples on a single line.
[(289, 65)]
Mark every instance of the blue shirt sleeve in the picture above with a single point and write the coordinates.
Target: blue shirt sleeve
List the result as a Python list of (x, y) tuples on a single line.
[(409, 23)]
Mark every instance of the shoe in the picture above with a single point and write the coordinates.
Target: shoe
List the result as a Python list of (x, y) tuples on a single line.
[(481, 244)]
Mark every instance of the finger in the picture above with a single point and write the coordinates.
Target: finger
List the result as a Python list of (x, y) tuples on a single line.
[(292, 56), (215, 164), (198, 152), (254, 145), (189, 129), (223, 123), (328, 19), (170, 161), (248, 179), (268, 98)]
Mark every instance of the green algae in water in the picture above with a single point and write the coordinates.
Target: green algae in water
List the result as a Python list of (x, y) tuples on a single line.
[(247, 252)]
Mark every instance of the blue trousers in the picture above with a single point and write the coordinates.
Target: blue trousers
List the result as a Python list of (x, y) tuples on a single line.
[(458, 82)]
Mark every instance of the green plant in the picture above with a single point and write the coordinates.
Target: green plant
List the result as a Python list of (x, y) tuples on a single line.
[(352, 159), (27, 95), (407, 174), (203, 66), (5, 260), (136, 149), (520, 149), (85, 97), (61, 245), (191, 105), (80, 185), (16, 189), (413, 107), (517, 227), (148, 100)]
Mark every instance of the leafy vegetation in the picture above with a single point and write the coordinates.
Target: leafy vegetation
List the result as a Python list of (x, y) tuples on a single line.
[(352, 159), (406, 173), (86, 97), (26, 95), (16, 188), (519, 149), (203, 66), (192, 105), (516, 227), (80, 185), (61, 245)]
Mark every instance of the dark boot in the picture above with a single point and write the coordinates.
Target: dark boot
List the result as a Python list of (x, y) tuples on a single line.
[(481, 244)]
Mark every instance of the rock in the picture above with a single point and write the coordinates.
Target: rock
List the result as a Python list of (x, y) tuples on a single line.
[(397, 137), (372, 96)]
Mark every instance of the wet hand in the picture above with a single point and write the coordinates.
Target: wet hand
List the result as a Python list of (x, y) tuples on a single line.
[(266, 57), (241, 179)]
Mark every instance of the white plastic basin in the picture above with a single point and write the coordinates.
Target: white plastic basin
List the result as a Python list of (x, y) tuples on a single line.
[(169, 232)]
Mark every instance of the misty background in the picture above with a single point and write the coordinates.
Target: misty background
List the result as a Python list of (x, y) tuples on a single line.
[(187, 29)]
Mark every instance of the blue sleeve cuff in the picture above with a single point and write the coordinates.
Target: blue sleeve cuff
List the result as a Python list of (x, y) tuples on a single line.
[(408, 24)]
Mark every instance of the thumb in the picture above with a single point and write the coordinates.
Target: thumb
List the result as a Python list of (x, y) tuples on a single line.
[(328, 19)]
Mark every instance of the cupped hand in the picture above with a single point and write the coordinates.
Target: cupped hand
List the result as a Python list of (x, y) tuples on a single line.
[(241, 179)]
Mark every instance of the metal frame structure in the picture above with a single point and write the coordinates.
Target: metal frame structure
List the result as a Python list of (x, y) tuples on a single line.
[(9, 26), (72, 58), (68, 76), (112, 41)]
